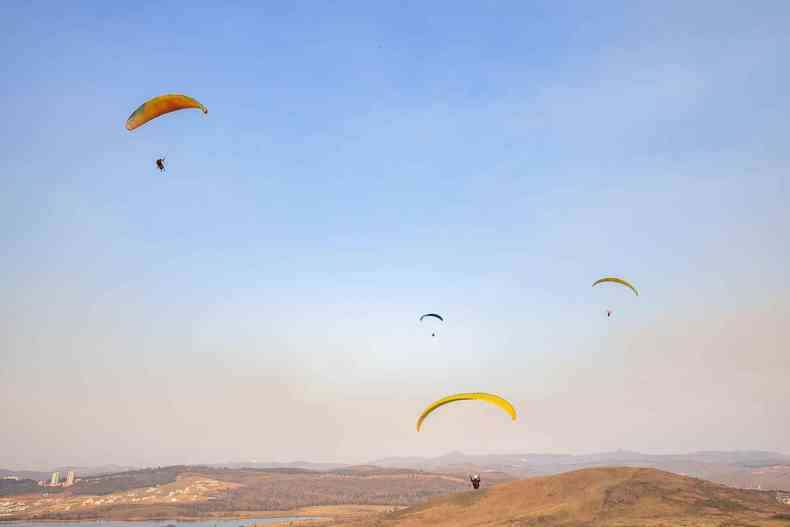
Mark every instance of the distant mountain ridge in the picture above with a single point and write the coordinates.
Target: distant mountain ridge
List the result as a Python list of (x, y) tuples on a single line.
[(305, 465), (553, 463)]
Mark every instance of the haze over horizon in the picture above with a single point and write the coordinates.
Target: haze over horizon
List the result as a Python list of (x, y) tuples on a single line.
[(361, 165), (736, 458)]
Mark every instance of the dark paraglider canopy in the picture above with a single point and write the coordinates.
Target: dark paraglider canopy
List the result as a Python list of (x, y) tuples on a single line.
[(432, 315)]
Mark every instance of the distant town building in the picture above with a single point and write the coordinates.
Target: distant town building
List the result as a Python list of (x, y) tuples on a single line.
[(55, 479), (69, 479)]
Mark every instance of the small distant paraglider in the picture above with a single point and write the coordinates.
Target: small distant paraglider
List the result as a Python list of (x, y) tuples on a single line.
[(475, 479), (615, 280), (153, 108), (432, 315)]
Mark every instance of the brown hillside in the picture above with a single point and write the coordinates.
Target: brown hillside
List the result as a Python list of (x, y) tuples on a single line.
[(612, 497), (182, 492)]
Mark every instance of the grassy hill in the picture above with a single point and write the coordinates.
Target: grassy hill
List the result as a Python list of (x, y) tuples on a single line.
[(612, 497)]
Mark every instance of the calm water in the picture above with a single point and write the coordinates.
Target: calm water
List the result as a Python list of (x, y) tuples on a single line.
[(224, 522)]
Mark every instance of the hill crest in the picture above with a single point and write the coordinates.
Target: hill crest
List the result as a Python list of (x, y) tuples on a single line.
[(607, 496)]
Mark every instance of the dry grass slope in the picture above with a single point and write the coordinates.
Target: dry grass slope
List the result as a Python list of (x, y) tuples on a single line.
[(612, 497), (199, 492)]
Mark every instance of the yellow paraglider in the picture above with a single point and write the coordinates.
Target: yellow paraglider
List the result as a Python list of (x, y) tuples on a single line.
[(617, 281), (479, 396), (153, 108)]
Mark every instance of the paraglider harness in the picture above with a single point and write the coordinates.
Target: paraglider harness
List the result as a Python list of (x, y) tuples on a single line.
[(475, 481)]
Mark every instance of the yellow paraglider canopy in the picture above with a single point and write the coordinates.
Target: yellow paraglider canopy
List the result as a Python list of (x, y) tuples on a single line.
[(617, 281), (479, 396), (153, 108)]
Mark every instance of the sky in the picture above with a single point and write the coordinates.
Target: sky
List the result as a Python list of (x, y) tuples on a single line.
[(362, 164)]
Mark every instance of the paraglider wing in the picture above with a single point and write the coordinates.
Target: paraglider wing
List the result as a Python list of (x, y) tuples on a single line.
[(617, 281), (478, 396), (153, 108), (434, 315)]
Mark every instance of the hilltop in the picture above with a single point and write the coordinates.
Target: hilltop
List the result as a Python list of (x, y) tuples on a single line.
[(595, 497)]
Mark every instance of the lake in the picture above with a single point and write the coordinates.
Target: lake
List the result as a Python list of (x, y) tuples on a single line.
[(219, 522)]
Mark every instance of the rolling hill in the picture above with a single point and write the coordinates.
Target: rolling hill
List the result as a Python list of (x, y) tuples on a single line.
[(612, 497)]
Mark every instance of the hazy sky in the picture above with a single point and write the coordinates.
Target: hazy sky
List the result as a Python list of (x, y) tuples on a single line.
[(363, 163)]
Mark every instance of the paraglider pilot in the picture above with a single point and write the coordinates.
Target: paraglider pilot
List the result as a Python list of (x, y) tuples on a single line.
[(475, 479), (160, 164)]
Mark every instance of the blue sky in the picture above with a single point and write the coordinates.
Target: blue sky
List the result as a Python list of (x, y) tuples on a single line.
[(361, 164)]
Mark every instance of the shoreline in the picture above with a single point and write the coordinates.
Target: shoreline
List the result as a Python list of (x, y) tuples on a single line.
[(178, 519), (309, 515)]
